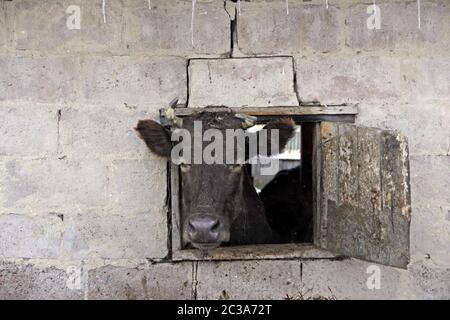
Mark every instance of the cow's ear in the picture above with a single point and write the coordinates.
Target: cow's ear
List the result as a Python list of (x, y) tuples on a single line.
[(156, 137), (285, 127)]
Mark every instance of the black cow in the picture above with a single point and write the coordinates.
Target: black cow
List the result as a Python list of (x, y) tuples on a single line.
[(218, 201), (286, 210)]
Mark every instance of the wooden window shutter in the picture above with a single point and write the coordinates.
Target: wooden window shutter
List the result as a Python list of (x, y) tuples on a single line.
[(364, 203)]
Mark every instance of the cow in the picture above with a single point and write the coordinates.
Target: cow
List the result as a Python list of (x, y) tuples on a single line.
[(219, 204), (286, 210)]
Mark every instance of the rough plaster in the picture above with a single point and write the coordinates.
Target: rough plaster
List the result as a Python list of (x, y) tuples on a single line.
[(79, 190)]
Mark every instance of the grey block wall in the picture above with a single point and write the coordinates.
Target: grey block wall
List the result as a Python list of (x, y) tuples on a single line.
[(83, 210)]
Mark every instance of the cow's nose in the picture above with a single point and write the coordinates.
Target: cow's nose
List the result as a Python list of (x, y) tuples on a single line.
[(204, 229)]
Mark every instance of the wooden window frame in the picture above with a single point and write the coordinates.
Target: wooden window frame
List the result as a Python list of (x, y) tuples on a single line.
[(313, 114)]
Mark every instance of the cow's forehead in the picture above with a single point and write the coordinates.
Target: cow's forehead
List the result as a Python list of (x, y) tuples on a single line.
[(216, 120)]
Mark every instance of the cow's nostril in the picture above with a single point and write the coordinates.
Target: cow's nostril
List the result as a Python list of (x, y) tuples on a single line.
[(215, 227)]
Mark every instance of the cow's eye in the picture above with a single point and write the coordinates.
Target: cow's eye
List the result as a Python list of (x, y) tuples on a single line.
[(185, 167)]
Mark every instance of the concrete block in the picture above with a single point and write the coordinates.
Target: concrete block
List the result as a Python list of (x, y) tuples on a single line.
[(399, 27), (30, 237), (166, 28), (141, 186), (431, 280), (430, 181), (28, 130), (384, 114), (54, 185), (429, 128), (426, 78), (426, 125), (157, 281), (430, 234), (135, 81), (39, 78), (29, 282), (266, 28), (247, 82), (103, 131), (115, 237), (269, 279), (332, 80), (48, 25), (341, 280)]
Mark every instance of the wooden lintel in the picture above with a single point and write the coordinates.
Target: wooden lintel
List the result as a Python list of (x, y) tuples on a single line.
[(275, 111)]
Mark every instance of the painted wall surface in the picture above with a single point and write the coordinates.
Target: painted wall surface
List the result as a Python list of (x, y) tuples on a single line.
[(83, 210)]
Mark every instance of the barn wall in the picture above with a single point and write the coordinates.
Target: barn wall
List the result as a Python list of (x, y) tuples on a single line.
[(82, 201)]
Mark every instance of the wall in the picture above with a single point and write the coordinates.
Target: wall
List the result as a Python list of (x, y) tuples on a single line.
[(82, 201)]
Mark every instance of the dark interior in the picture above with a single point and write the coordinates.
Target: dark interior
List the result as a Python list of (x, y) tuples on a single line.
[(288, 195)]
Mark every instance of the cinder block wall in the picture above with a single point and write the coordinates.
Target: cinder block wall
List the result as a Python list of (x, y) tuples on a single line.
[(82, 201)]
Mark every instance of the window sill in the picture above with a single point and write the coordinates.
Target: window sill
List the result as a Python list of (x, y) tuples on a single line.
[(256, 252)]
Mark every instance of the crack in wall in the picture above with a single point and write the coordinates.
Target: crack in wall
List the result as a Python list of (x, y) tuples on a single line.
[(58, 127), (169, 213), (194, 280), (301, 273), (233, 28), (187, 82), (294, 72), (234, 34)]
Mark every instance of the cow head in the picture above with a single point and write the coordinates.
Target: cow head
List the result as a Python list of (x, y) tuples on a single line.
[(213, 194)]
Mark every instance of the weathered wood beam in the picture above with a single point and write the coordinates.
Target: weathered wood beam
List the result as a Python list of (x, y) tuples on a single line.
[(341, 113), (275, 111)]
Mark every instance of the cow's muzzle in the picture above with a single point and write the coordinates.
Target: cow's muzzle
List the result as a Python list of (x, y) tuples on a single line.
[(205, 231)]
